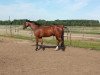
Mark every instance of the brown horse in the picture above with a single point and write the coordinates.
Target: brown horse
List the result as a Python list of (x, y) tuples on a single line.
[(42, 31)]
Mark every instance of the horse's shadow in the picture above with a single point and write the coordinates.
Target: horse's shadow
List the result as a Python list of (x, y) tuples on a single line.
[(47, 46)]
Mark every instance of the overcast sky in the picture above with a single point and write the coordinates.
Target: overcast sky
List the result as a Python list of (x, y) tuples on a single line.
[(50, 9)]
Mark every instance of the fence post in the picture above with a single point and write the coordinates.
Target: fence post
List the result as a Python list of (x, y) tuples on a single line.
[(10, 27), (67, 33), (83, 31), (70, 36), (6, 29)]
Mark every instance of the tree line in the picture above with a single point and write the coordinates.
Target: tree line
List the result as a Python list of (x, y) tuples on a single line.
[(55, 22)]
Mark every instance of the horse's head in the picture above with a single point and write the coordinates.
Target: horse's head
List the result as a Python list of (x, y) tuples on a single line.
[(31, 24), (25, 25)]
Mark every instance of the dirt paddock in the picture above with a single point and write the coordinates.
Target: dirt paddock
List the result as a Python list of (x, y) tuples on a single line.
[(18, 57)]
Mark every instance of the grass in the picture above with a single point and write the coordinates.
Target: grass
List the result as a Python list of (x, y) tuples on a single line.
[(85, 30), (74, 43), (93, 45), (19, 37), (84, 44), (23, 37)]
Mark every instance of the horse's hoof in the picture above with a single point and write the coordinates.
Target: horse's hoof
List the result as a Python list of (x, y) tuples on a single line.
[(36, 49), (57, 50), (43, 48), (63, 49)]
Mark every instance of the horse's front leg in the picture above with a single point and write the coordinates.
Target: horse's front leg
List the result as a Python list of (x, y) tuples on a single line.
[(36, 44), (41, 40)]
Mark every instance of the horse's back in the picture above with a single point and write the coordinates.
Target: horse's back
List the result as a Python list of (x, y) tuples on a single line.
[(47, 31)]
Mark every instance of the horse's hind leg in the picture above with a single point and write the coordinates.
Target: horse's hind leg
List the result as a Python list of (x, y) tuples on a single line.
[(62, 43), (58, 43)]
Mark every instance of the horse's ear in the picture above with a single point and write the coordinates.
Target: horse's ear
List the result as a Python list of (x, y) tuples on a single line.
[(11, 22), (27, 20)]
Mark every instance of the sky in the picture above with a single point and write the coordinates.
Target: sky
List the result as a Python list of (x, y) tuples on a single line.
[(50, 9)]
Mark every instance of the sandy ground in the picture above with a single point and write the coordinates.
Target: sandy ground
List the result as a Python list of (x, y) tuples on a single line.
[(18, 57)]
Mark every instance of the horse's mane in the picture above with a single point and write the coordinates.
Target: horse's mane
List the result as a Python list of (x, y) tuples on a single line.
[(33, 22), (36, 23)]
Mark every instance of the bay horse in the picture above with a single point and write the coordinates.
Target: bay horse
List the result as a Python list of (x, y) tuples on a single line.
[(47, 31)]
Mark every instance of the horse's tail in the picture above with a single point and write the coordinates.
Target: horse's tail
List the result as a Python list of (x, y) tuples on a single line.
[(62, 37)]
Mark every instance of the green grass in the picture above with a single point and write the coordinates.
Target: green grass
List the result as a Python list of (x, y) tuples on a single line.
[(84, 44), (23, 37), (19, 37), (93, 45), (85, 30)]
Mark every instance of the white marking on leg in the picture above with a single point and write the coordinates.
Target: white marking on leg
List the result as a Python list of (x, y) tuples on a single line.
[(56, 48)]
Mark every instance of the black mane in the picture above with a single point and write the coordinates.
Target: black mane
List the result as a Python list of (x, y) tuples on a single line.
[(28, 21), (36, 23), (33, 22)]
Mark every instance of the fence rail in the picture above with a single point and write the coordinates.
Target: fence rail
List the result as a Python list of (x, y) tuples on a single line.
[(73, 35)]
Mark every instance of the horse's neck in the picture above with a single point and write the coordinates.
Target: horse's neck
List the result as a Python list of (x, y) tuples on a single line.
[(34, 27)]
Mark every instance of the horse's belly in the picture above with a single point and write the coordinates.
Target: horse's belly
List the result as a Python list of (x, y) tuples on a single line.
[(47, 35)]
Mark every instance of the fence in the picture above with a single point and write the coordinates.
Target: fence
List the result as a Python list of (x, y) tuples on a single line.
[(72, 33), (8, 30), (83, 33)]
